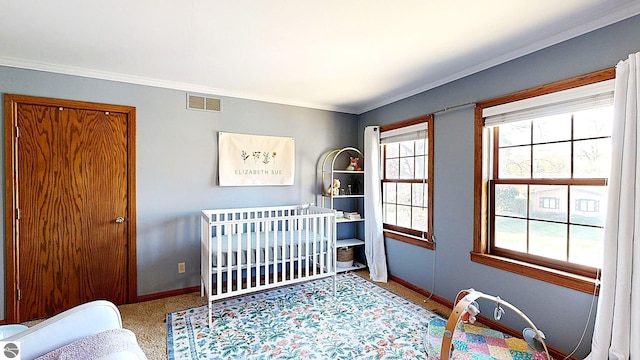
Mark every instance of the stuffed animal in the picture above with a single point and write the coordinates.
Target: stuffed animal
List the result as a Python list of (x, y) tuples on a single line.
[(469, 314), (354, 164), (334, 188)]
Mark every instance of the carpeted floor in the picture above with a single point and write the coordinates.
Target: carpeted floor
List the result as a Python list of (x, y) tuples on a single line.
[(147, 319)]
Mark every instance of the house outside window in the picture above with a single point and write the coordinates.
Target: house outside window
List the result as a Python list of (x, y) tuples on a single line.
[(540, 151), (407, 155)]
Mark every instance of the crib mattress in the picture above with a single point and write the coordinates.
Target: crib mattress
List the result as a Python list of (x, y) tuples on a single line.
[(273, 245)]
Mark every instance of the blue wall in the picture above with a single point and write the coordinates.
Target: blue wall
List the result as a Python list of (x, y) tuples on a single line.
[(561, 313), (176, 163)]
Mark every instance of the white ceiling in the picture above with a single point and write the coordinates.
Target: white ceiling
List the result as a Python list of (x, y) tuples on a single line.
[(343, 55)]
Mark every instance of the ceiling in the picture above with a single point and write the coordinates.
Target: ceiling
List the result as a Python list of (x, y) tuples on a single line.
[(342, 55)]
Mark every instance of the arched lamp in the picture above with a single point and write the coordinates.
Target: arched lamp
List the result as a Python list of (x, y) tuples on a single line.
[(534, 337)]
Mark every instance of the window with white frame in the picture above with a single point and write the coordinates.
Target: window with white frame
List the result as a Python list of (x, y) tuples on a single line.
[(588, 205), (407, 155), (549, 203), (542, 154)]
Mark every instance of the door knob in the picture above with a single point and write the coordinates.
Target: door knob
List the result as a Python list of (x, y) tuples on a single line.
[(119, 220)]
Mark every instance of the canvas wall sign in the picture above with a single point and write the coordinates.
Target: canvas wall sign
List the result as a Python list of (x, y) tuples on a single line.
[(248, 160)]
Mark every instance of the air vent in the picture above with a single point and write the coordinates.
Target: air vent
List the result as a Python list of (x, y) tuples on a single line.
[(204, 103)]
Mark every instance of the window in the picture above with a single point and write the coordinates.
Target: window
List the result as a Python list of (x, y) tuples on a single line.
[(537, 152), (549, 203), (407, 155), (587, 205)]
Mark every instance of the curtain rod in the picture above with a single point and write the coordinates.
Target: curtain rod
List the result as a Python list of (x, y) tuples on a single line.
[(453, 107), (436, 112)]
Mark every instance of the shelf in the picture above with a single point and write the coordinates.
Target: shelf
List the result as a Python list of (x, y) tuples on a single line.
[(349, 242), (343, 220), (345, 171), (345, 196), (356, 266)]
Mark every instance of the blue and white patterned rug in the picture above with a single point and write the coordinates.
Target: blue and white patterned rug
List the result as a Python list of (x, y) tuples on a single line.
[(304, 321)]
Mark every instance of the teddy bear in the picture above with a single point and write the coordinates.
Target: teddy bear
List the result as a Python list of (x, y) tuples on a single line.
[(334, 188), (354, 164)]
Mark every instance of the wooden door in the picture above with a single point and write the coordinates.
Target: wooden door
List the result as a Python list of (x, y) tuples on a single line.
[(72, 192)]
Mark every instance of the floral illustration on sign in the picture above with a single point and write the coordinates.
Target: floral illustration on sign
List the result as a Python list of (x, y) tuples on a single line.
[(244, 156), (256, 156), (267, 157)]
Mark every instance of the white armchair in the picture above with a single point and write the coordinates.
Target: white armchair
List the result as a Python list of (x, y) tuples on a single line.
[(91, 330)]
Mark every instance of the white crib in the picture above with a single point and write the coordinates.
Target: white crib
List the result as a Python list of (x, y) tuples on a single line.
[(253, 249)]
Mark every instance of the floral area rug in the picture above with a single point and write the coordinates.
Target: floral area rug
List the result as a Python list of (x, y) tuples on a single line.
[(304, 321)]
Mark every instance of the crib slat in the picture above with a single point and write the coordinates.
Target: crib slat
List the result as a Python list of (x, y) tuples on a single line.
[(219, 259), (239, 233), (267, 247), (250, 249), (278, 247), (322, 258), (314, 261), (304, 261), (291, 232), (229, 268)]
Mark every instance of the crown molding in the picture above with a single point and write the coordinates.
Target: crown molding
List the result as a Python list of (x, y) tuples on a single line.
[(173, 85)]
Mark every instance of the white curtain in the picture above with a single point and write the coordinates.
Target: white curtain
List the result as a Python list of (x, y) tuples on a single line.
[(373, 238), (617, 329)]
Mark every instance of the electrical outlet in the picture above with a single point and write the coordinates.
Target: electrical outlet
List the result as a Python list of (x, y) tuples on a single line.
[(181, 268)]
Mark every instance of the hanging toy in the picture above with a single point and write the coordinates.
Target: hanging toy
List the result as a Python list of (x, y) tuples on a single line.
[(470, 313)]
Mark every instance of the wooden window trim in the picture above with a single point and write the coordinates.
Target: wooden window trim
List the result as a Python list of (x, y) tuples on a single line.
[(480, 252), (409, 237), (427, 244)]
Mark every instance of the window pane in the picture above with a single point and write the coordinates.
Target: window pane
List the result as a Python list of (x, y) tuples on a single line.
[(589, 204), (592, 123), (515, 163), (552, 128), (404, 216), (548, 202), (552, 160), (511, 200), (421, 164), (404, 194), (518, 133), (390, 214), (585, 245), (511, 233), (419, 221), (393, 150), (389, 195), (421, 148), (548, 239), (418, 195), (406, 168), (591, 158), (426, 195), (392, 169), (406, 148)]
